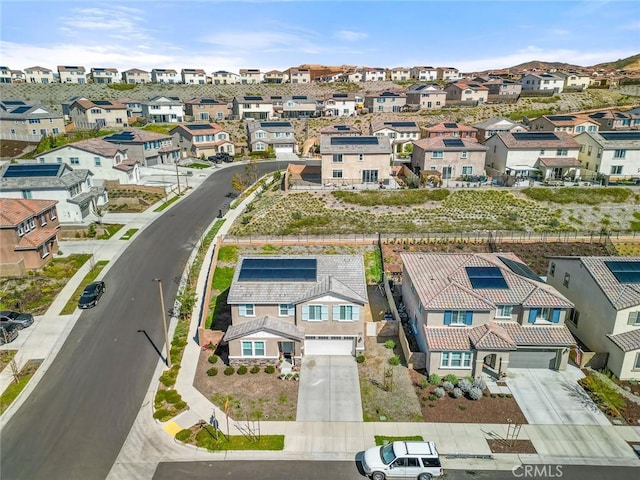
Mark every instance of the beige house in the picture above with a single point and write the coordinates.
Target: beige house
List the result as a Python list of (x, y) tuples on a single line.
[(102, 113), (199, 109), (276, 76), (253, 106), (285, 307), (250, 76), (448, 73), (616, 154), (426, 97), (28, 234), (199, 140), (450, 129), (350, 160), (341, 130), (398, 133), (400, 74), (385, 102), (280, 136), (569, 123), (135, 75), (72, 74), (299, 75), (145, 147), (574, 80), (502, 87), (606, 319), (467, 92), (19, 120), (495, 125), (222, 77), (39, 75), (616, 120), (475, 314), (452, 158), (104, 76), (193, 76)]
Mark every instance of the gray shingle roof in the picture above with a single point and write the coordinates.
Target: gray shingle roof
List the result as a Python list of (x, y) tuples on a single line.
[(65, 179), (627, 341), (265, 324)]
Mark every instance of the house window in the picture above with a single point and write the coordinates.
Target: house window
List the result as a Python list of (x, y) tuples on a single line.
[(315, 313), (504, 311), (74, 160), (253, 349), (467, 170), (552, 269), (336, 173), (463, 154), (567, 277), (346, 313), (53, 214), (337, 158), (96, 161), (246, 310), (579, 129), (616, 169), (45, 250), (634, 318), (544, 314), (26, 194), (589, 150), (562, 152), (43, 219), (458, 317), (437, 154), (542, 151), (455, 360), (574, 317), (619, 153), (286, 310)]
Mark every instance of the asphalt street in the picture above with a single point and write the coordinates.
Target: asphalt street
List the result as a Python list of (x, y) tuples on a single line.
[(75, 422)]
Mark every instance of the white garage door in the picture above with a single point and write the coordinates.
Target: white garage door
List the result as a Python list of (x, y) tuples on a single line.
[(532, 358), (328, 347), (285, 149)]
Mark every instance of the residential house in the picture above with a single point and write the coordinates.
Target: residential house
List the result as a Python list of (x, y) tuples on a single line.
[(106, 160), (276, 76), (523, 154), (373, 74), (400, 134), (354, 76), (451, 158), (163, 110), (495, 125), (18, 118), (145, 147), (134, 108), (199, 140), (72, 74), (424, 74), (18, 76), (256, 107), (104, 75), (74, 191), (199, 109), (285, 307), (606, 319), (28, 234), (102, 113), (341, 130), (615, 154), (280, 136), (450, 129), (299, 75), (299, 106), (448, 74), (5, 75), (542, 81), (39, 75), (250, 76), (385, 102), (339, 105), (400, 74), (193, 76), (348, 160), (426, 97), (66, 106), (503, 88), (466, 92), (574, 80), (609, 120), (222, 77), (164, 75), (569, 123), (135, 75), (484, 313)]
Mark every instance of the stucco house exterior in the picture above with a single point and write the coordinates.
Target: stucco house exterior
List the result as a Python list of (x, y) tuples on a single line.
[(145, 147), (343, 130), (18, 118), (385, 102), (222, 77), (426, 97), (574, 80), (543, 81), (339, 105), (279, 135), (276, 76), (285, 307), (298, 106), (616, 120), (400, 74), (250, 76), (448, 73), (495, 125), (450, 129), (569, 123), (481, 314), (615, 154), (399, 133), (199, 109), (373, 74), (502, 87), (606, 294), (253, 106), (104, 76), (202, 139), (193, 76), (72, 74), (453, 158), (350, 160), (28, 234), (299, 75), (103, 113), (164, 75), (467, 92), (424, 74), (161, 109), (135, 75), (39, 75)]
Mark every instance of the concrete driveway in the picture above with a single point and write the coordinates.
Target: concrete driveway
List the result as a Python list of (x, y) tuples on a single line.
[(329, 390), (549, 397)]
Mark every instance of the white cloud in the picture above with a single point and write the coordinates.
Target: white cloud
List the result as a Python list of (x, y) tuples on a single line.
[(349, 35), (116, 22)]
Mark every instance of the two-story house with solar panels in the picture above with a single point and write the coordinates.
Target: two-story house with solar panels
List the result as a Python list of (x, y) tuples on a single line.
[(101, 113), (424, 74), (199, 140), (400, 74), (135, 75), (339, 105), (164, 75), (616, 154), (193, 76), (72, 74), (523, 154), (569, 123), (250, 76), (613, 120), (280, 136), (205, 109), (106, 160), (73, 189), (253, 106), (18, 118), (373, 74), (385, 102), (39, 75), (276, 76), (467, 92), (349, 160), (450, 129), (606, 319), (341, 130), (448, 157), (299, 106), (104, 76), (145, 147), (426, 97), (299, 75), (484, 313), (543, 81), (284, 307), (163, 110), (399, 133), (222, 77)]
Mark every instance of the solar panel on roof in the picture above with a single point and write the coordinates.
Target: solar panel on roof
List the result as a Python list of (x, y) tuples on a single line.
[(453, 142), (275, 124), (527, 136), (624, 271), (340, 95), (20, 109), (420, 87), (120, 137), (341, 127), (388, 94), (102, 102), (620, 135), (561, 118), (208, 101), (484, 278), (354, 140), (401, 124), (32, 170), (252, 98), (299, 97), (520, 269), (13, 102), (450, 125), (278, 270), (199, 127)]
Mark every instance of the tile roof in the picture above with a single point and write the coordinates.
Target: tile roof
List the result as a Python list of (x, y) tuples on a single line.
[(620, 295), (560, 162), (14, 211), (448, 127), (562, 140), (264, 324), (568, 120), (627, 341), (495, 123), (447, 338), (438, 143), (138, 136), (382, 145), (88, 104), (539, 335), (97, 146), (344, 129), (400, 126), (491, 336), (36, 237), (329, 285)]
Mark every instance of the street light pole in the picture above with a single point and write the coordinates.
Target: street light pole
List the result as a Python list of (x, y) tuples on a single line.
[(164, 322), (178, 177)]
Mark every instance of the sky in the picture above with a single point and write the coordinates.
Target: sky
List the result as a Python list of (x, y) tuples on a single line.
[(230, 35)]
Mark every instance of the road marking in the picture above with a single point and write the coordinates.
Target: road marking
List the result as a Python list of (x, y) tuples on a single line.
[(172, 428)]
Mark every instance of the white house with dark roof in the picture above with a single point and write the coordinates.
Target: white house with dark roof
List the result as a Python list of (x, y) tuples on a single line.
[(39, 75), (222, 77), (162, 109), (18, 118), (5, 74), (451, 158), (493, 125), (73, 189), (385, 102), (606, 320), (543, 81), (285, 307), (424, 74), (400, 133), (145, 147), (202, 139), (339, 105), (164, 75), (616, 120), (615, 154), (72, 74), (279, 135), (135, 75), (426, 97), (483, 313), (253, 106), (373, 74), (106, 160), (250, 76), (351, 160)]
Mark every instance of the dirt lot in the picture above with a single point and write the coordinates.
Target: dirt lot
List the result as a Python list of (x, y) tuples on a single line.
[(518, 446)]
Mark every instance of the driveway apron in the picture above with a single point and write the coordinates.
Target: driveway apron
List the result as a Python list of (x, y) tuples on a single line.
[(329, 390)]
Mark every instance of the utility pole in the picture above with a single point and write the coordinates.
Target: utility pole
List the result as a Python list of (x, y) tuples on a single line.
[(178, 177), (164, 322)]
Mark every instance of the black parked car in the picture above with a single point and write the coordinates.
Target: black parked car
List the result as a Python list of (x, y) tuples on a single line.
[(91, 295), (225, 157), (19, 320)]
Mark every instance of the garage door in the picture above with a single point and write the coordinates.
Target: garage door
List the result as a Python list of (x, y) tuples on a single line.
[(328, 347), (532, 358), (284, 149)]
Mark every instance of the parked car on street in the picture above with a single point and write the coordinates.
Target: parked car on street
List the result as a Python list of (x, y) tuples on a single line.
[(8, 334), (91, 295), (417, 460), (20, 320)]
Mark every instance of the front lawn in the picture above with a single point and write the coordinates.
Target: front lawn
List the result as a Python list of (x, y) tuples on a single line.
[(208, 437), (128, 234), (167, 203), (14, 389)]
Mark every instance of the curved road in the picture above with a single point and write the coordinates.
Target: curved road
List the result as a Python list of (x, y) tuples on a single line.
[(76, 420)]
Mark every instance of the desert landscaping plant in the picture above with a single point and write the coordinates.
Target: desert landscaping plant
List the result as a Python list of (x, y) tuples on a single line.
[(452, 379), (434, 379), (212, 372), (390, 344), (394, 360), (213, 359), (229, 370), (456, 393), (448, 386), (465, 385), (474, 393), (439, 392), (480, 383)]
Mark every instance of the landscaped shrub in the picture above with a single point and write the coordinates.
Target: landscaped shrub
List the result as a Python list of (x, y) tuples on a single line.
[(255, 369), (434, 379), (162, 414), (439, 392), (269, 369), (432, 397), (212, 372), (448, 386), (451, 378), (242, 369), (213, 359), (465, 385), (229, 370), (390, 344), (475, 393), (480, 383), (183, 435), (360, 358), (424, 383), (456, 393), (395, 360)]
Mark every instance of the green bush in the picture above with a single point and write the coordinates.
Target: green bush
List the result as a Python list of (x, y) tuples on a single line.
[(242, 370), (434, 379), (213, 359), (270, 369), (255, 369), (390, 344), (212, 372), (162, 414), (451, 378), (183, 435), (360, 358), (229, 370), (395, 360)]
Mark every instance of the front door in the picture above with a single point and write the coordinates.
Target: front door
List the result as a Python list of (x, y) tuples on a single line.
[(287, 349), (370, 176)]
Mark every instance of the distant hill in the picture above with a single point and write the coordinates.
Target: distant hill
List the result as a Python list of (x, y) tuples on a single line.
[(629, 63), (545, 66)]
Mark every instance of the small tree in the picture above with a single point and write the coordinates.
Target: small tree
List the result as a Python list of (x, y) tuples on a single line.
[(238, 182)]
